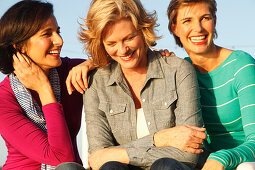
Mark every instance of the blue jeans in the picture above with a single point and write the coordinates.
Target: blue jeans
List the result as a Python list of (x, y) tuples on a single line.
[(168, 164), (160, 164), (69, 166)]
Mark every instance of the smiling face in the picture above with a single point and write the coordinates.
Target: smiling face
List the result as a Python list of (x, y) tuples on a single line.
[(195, 27), (44, 47), (125, 45)]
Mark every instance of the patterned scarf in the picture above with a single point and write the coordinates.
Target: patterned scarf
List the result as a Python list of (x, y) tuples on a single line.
[(30, 106)]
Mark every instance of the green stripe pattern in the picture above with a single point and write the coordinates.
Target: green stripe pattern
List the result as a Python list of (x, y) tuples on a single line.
[(228, 108)]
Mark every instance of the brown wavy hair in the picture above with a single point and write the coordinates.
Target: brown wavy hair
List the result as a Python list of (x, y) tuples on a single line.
[(172, 10), (19, 23)]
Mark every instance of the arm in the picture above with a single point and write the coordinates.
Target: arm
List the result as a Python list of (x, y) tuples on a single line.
[(52, 148), (244, 84), (32, 142)]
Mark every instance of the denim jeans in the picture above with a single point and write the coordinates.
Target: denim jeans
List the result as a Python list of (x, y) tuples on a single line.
[(69, 166)]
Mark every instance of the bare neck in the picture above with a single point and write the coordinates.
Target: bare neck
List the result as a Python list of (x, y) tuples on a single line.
[(211, 60)]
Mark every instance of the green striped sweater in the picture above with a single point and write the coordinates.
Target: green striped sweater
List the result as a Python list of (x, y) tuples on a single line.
[(228, 108)]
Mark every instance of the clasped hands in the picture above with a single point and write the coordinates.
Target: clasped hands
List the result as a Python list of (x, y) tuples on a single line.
[(186, 138)]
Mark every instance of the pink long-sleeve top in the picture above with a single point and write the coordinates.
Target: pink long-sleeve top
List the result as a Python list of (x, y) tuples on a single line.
[(28, 146)]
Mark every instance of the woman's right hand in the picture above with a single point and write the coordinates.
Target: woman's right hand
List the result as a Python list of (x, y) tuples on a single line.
[(186, 138), (29, 73)]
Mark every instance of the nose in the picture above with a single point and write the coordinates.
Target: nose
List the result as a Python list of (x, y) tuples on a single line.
[(57, 40), (123, 49), (197, 26)]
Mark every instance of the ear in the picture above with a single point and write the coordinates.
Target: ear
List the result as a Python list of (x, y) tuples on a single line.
[(174, 30), (14, 46), (23, 49), (215, 19)]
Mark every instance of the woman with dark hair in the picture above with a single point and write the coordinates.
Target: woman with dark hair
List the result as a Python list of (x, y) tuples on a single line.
[(39, 120)]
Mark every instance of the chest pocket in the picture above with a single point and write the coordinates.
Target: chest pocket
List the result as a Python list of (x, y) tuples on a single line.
[(115, 113), (166, 101), (164, 110)]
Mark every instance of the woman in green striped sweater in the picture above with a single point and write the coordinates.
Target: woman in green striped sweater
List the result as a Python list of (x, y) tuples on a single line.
[(227, 84)]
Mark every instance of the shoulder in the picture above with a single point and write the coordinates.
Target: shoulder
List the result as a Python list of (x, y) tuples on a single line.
[(173, 61), (66, 66), (71, 62), (5, 87), (104, 75), (105, 71), (242, 57), (7, 97), (179, 64), (239, 60)]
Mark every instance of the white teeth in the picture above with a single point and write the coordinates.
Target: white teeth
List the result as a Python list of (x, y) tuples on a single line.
[(197, 39), (127, 57), (54, 52)]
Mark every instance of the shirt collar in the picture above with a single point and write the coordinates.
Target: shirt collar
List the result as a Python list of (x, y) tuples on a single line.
[(154, 69)]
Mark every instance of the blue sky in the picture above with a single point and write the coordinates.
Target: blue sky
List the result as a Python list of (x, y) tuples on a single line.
[(235, 24)]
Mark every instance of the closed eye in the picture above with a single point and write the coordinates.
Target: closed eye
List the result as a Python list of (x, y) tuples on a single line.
[(186, 21), (58, 30), (111, 44), (206, 18), (47, 34)]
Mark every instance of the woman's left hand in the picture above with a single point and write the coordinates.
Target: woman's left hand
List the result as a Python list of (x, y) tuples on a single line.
[(77, 78), (212, 164), (101, 156)]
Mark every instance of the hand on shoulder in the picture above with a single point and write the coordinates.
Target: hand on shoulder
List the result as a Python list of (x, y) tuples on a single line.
[(77, 78)]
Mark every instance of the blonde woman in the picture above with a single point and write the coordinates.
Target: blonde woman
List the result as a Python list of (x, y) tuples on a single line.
[(142, 109)]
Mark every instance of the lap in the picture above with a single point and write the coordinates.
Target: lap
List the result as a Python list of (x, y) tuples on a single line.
[(160, 164), (69, 166)]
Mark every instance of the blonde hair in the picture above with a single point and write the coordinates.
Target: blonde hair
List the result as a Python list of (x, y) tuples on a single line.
[(104, 12)]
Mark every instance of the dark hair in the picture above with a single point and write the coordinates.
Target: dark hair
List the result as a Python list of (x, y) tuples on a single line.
[(20, 22), (172, 10)]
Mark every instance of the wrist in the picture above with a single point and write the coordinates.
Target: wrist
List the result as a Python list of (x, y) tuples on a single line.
[(123, 155), (156, 139), (46, 95)]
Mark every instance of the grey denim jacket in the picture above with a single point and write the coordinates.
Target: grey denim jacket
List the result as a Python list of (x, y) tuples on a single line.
[(169, 98)]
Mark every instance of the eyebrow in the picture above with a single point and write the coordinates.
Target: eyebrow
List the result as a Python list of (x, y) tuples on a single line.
[(185, 18), (131, 34), (191, 17)]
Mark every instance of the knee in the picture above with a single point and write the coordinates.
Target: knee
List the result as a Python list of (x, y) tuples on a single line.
[(114, 165), (69, 166), (168, 164), (246, 166)]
